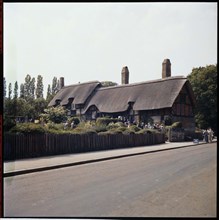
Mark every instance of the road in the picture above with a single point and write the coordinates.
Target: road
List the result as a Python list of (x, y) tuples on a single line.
[(174, 183)]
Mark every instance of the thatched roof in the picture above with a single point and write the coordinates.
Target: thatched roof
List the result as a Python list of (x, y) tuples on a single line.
[(79, 92), (156, 94)]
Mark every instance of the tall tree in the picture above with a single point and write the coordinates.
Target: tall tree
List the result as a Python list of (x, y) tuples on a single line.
[(32, 88), (54, 85), (22, 91), (16, 90), (39, 105), (27, 87), (39, 87), (49, 92), (9, 90), (204, 84)]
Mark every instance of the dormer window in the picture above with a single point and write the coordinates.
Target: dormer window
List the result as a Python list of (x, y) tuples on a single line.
[(58, 102)]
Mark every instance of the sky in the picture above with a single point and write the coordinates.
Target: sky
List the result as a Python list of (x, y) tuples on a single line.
[(93, 41)]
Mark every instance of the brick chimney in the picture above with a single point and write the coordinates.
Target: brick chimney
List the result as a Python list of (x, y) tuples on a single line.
[(61, 82), (125, 75), (166, 68)]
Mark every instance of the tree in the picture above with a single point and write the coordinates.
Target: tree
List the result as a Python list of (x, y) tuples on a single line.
[(39, 87), (27, 87), (9, 91), (22, 91), (54, 85), (204, 84), (49, 95), (55, 114), (16, 90), (39, 105), (32, 88), (108, 83)]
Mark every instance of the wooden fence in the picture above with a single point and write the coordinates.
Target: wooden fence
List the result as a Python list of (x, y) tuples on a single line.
[(18, 146)]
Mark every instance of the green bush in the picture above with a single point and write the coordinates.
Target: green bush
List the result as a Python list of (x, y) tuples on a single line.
[(115, 125), (177, 124), (75, 119), (83, 131), (8, 123), (127, 131), (54, 114), (114, 131), (53, 126), (28, 128), (134, 128), (105, 121), (100, 128)]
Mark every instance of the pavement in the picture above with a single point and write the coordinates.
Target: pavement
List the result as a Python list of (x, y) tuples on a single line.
[(26, 166)]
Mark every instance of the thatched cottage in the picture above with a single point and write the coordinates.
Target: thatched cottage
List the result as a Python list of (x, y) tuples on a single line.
[(162, 99)]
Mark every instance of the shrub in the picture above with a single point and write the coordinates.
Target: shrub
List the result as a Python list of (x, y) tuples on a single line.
[(114, 131), (100, 128), (148, 131), (76, 120), (105, 121), (127, 131), (28, 128), (8, 123), (177, 124), (113, 125), (83, 131), (54, 114), (134, 128)]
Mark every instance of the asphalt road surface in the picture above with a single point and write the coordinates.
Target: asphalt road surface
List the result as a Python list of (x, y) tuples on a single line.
[(174, 183)]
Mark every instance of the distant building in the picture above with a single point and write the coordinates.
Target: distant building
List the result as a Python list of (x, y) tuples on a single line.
[(169, 97)]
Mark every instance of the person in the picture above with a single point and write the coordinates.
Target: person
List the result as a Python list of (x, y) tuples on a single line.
[(205, 134), (210, 134), (72, 124), (65, 125)]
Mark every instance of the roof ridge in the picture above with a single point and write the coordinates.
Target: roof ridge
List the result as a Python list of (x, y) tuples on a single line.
[(84, 83), (144, 82)]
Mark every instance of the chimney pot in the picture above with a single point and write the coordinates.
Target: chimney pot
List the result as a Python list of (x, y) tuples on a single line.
[(61, 82), (166, 68), (125, 75)]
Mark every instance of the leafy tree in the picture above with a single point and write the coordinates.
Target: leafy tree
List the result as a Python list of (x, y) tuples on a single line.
[(39, 105), (18, 107), (49, 95), (39, 87), (16, 90), (22, 91), (55, 114), (32, 88), (27, 87), (54, 85), (108, 83), (204, 84), (9, 91)]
